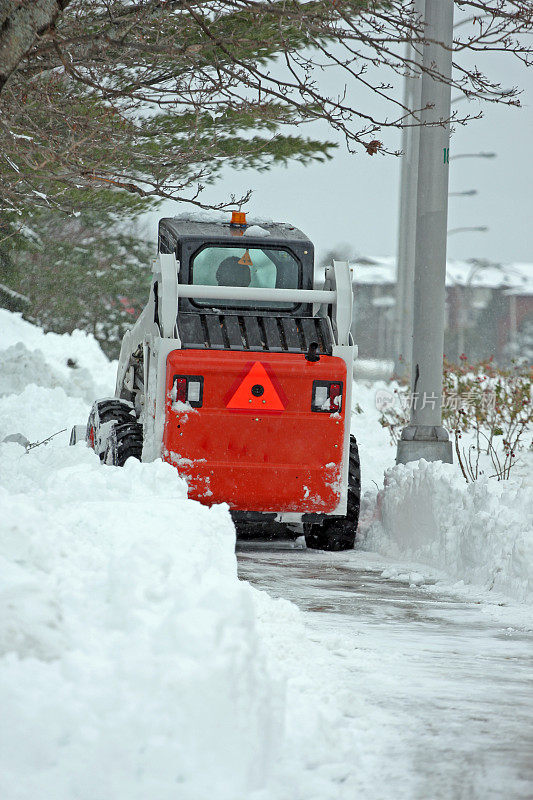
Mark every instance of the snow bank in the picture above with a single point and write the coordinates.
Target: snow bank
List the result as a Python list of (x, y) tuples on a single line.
[(480, 533), (135, 664), (30, 356), (130, 662), (131, 659)]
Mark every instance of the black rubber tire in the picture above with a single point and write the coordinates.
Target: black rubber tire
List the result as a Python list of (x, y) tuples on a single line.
[(102, 412), (338, 533), (125, 441)]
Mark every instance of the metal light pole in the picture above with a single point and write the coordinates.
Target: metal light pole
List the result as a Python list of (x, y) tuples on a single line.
[(425, 437), (405, 259)]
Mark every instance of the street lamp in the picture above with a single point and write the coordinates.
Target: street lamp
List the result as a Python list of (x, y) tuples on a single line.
[(467, 193), (480, 228), (474, 155)]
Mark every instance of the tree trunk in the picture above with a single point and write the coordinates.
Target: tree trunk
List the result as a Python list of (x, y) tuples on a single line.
[(20, 24)]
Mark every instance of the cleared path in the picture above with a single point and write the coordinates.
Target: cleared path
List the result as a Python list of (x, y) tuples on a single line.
[(455, 682)]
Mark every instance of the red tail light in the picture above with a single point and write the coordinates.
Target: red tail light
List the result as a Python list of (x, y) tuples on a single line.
[(180, 390), (188, 389), (327, 396), (335, 396)]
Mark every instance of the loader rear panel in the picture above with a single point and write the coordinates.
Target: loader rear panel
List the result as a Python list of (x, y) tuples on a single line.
[(255, 442)]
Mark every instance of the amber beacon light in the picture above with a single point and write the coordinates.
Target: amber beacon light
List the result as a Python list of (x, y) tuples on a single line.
[(238, 218)]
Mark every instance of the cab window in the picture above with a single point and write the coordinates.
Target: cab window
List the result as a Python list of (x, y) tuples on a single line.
[(245, 267)]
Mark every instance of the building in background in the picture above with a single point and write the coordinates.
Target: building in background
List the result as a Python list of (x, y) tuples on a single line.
[(489, 309)]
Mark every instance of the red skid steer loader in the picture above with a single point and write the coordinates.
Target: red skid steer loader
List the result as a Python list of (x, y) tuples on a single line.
[(239, 373)]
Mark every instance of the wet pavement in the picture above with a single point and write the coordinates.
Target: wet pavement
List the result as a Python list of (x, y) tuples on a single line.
[(453, 678)]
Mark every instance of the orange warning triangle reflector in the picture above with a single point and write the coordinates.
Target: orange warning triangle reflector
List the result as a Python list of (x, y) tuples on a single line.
[(256, 392), (246, 261)]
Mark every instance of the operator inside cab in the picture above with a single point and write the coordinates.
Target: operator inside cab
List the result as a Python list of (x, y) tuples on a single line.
[(232, 273)]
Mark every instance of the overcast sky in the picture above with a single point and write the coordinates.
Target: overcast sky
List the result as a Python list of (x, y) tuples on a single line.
[(354, 198)]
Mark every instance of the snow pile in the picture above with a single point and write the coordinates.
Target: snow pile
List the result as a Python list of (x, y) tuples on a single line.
[(131, 659), (134, 663), (131, 664), (480, 533), (73, 362)]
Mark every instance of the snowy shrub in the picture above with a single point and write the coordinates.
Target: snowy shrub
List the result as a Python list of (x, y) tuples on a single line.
[(492, 404), (487, 408)]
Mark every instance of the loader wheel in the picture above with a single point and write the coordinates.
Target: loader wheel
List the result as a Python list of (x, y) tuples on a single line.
[(124, 441), (104, 414), (338, 533)]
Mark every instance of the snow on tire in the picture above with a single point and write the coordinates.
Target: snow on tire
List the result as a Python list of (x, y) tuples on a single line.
[(124, 441), (104, 414)]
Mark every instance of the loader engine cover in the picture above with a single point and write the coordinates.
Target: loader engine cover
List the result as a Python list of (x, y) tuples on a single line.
[(260, 431)]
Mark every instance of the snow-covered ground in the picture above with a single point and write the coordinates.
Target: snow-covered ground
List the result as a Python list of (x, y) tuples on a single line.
[(135, 664)]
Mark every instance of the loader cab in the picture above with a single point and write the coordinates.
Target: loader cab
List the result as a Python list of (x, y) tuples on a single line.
[(267, 255), (223, 253)]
